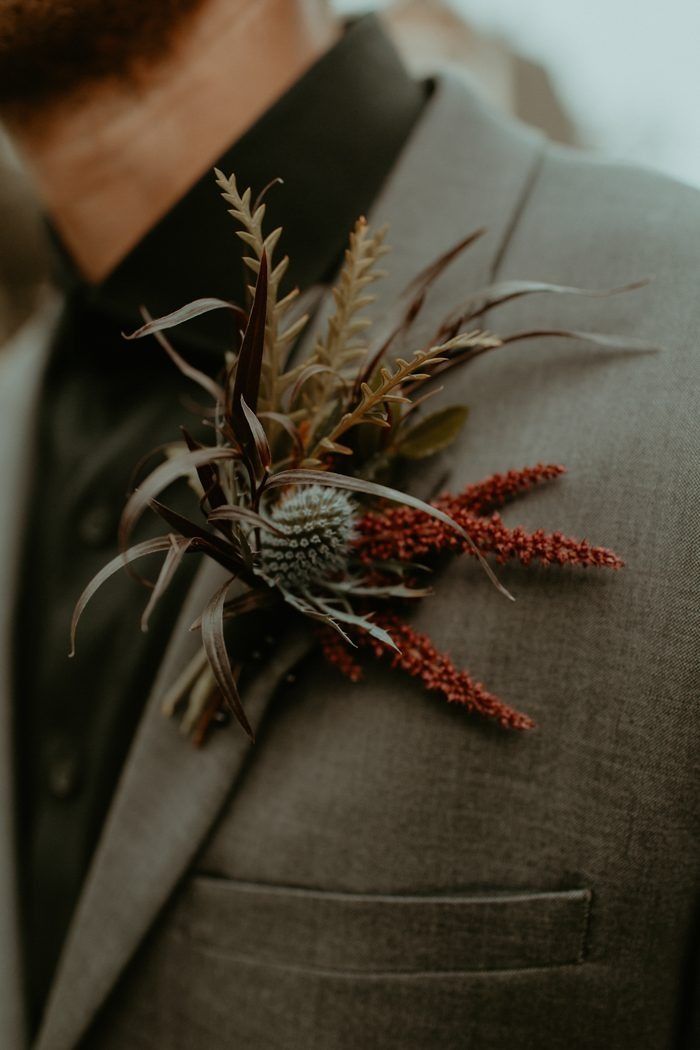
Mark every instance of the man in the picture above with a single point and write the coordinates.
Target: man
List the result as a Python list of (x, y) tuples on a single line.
[(377, 870)]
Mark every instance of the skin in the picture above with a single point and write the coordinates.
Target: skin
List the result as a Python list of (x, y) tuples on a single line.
[(112, 154)]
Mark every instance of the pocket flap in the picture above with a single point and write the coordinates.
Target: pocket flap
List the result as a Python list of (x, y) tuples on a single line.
[(379, 933)]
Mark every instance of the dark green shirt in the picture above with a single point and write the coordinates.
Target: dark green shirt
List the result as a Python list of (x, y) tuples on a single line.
[(332, 138)]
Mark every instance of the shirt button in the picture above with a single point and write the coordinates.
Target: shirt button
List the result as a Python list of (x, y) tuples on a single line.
[(96, 527), (62, 770)]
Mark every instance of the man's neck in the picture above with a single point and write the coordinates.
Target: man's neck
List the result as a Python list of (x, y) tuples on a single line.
[(109, 166)]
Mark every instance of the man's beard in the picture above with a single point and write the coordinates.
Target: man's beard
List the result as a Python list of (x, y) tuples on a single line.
[(48, 48)]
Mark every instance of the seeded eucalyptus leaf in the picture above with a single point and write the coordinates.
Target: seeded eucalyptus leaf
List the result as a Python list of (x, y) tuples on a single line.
[(433, 433)]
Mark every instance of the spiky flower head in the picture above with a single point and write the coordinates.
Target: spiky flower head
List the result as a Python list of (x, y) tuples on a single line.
[(316, 524)]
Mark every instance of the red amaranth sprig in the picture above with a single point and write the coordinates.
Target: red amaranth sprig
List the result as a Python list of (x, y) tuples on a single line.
[(419, 658), (407, 535), (498, 489)]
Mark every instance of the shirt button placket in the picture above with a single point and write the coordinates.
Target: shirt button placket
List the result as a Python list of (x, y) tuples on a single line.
[(96, 527), (63, 769)]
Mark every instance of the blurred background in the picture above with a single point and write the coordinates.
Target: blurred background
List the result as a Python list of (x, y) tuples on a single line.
[(617, 76), (622, 76)]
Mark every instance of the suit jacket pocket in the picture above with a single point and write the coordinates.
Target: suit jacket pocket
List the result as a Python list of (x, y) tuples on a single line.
[(374, 934)]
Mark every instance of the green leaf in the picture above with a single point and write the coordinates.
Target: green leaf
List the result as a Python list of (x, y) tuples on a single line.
[(433, 433)]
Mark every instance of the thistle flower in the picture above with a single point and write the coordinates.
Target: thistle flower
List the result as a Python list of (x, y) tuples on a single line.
[(316, 525)]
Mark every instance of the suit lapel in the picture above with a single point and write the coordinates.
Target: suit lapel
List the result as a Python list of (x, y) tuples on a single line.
[(165, 803), (21, 369), (460, 169)]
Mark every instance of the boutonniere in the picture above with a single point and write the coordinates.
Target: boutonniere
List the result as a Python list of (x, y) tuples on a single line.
[(294, 488)]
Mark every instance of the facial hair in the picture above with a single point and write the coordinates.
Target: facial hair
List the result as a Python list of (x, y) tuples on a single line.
[(50, 48)]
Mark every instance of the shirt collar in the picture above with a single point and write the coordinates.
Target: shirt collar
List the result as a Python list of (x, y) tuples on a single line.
[(332, 138)]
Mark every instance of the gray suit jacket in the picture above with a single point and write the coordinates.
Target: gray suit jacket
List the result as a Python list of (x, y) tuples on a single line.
[(380, 871)]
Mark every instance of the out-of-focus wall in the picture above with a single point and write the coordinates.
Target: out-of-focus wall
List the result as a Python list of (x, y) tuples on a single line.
[(430, 34), (625, 73)]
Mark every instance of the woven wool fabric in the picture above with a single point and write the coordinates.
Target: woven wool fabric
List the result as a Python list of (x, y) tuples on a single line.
[(381, 871)]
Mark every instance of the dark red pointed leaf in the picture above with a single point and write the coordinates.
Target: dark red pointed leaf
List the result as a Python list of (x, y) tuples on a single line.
[(201, 378), (430, 274), (212, 626), (207, 473), (506, 291), (246, 383), (185, 313), (178, 547), (257, 433), (604, 340), (246, 516), (159, 479), (213, 546), (600, 339), (418, 290), (288, 426), (139, 550), (308, 373), (244, 603)]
